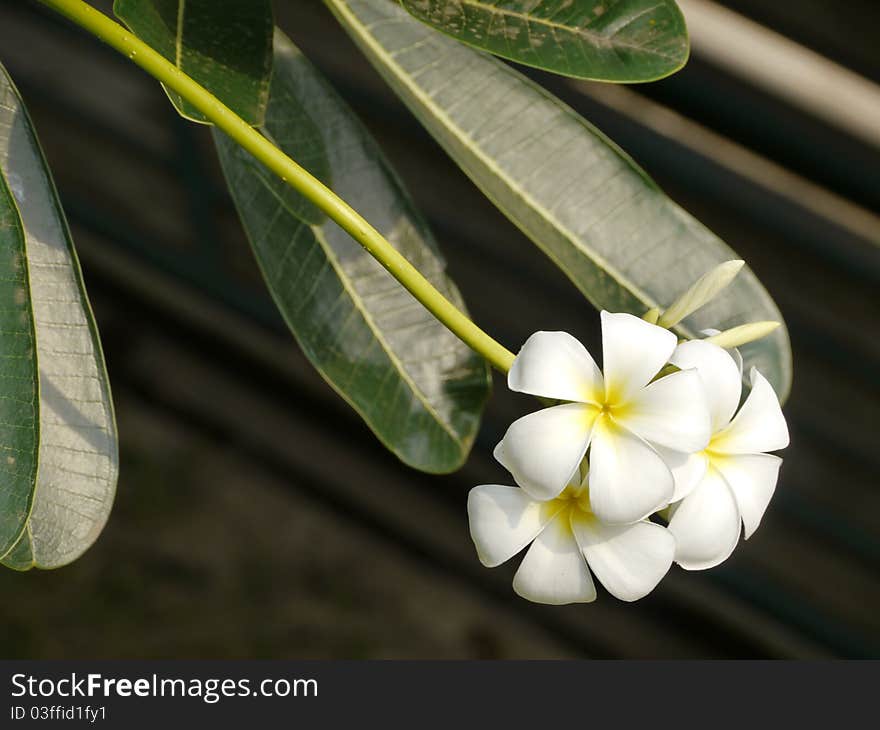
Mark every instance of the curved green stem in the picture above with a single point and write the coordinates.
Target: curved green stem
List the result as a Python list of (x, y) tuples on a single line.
[(293, 174)]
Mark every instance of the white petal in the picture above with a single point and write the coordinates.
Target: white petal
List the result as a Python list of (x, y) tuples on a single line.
[(721, 377), (553, 570), (503, 520), (498, 453), (543, 449), (671, 412), (628, 479), (687, 470), (759, 425), (556, 365), (629, 560), (705, 524), (752, 477), (733, 351), (633, 351), (738, 359)]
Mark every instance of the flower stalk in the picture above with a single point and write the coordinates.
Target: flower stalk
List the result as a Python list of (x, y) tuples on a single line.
[(297, 177)]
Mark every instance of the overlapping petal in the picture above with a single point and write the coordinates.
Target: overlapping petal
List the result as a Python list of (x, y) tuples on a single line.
[(629, 560), (671, 412), (554, 570), (759, 426), (719, 373), (706, 524), (543, 449), (503, 520), (633, 351), (752, 478), (628, 479), (498, 453), (687, 470), (556, 365)]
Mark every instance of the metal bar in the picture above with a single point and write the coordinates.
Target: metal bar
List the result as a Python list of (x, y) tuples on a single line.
[(784, 68)]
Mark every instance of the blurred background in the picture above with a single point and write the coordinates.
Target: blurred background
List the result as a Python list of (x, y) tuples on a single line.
[(258, 517)]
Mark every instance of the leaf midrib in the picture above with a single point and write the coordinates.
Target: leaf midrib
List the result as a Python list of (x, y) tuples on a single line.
[(178, 40)]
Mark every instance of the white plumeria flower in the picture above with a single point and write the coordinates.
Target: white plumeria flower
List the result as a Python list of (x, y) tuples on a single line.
[(622, 417), (566, 537), (730, 483)]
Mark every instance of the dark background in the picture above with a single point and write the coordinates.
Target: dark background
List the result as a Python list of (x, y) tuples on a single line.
[(257, 516)]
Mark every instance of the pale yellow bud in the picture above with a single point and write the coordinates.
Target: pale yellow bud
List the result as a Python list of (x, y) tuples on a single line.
[(737, 336), (703, 290)]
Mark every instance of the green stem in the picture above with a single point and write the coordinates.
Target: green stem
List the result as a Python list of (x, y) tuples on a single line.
[(119, 38)]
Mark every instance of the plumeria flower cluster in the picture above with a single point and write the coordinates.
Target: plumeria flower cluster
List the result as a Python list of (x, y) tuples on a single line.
[(659, 431)]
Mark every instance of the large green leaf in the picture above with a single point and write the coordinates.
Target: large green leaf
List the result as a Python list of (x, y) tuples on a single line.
[(587, 205), (58, 430), (606, 40), (415, 384), (225, 45)]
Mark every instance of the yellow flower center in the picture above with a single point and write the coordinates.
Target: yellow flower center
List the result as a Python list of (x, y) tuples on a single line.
[(715, 451), (613, 409), (574, 499)]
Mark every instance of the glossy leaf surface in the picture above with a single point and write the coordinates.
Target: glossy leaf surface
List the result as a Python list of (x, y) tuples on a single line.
[(606, 40), (414, 383), (225, 45)]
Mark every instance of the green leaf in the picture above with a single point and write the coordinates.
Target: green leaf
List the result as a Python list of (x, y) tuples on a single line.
[(65, 424), (414, 383), (585, 203), (19, 388), (225, 45), (604, 40)]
